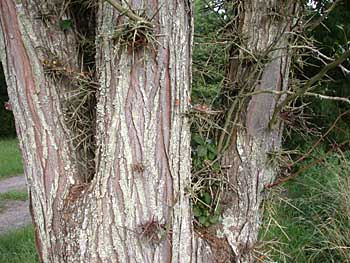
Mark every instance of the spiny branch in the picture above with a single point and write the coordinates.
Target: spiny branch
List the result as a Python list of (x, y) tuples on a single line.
[(321, 138), (291, 93), (305, 168), (304, 90), (129, 13), (324, 71), (323, 56)]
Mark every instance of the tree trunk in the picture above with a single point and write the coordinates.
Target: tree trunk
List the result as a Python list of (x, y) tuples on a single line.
[(260, 65), (100, 101), (110, 188)]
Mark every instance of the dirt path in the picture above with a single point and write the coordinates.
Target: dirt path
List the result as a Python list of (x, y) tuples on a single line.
[(12, 183), (14, 214)]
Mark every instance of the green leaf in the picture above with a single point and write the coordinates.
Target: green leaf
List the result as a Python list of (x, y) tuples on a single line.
[(197, 212), (206, 198), (197, 163), (202, 150), (214, 219), (211, 156), (206, 212), (216, 167), (66, 24), (212, 148), (198, 139), (202, 220)]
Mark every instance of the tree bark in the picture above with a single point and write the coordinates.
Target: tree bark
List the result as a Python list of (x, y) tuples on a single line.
[(134, 207), (261, 62)]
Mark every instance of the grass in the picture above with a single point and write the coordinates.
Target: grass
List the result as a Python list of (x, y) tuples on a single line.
[(10, 158), (18, 246), (308, 220), (12, 195)]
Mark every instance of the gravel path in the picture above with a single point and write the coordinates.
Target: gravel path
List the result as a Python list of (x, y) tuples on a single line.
[(14, 214)]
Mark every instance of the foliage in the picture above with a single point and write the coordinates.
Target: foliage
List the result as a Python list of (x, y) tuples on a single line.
[(10, 158), (204, 150), (330, 39), (210, 55), (203, 210), (209, 65), (207, 181), (66, 24), (206, 209)]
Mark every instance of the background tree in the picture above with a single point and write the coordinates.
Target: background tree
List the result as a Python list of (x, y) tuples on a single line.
[(331, 38), (311, 210), (264, 45), (257, 36)]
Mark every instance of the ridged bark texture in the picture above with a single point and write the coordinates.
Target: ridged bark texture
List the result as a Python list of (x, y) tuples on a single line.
[(262, 63), (47, 152), (135, 209)]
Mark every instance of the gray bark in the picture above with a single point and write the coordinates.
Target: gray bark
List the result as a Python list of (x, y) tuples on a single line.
[(265, 27), (135, 209)]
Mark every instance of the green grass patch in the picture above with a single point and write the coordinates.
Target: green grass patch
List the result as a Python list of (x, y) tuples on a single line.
[(308, 219), (18, 246), (10, 158), (14, 195)]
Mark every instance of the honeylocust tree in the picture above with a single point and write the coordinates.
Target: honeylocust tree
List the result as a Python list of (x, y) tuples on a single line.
[(256, 37), (252, 77), (259, 66), (99, 91)]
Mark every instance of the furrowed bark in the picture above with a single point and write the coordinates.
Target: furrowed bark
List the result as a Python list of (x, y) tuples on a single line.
[(135, 209), (143, 153), (47, 151)]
